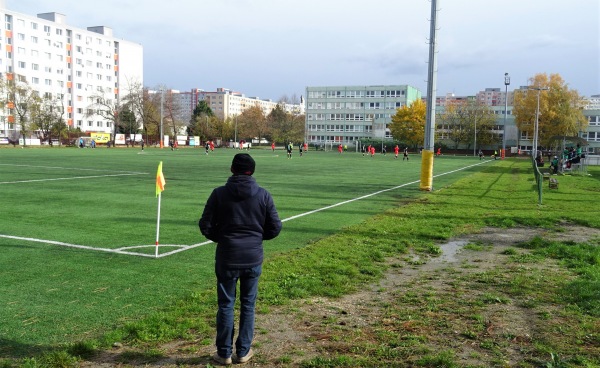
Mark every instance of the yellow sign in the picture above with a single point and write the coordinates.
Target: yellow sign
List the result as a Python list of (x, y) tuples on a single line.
[(100, 137)]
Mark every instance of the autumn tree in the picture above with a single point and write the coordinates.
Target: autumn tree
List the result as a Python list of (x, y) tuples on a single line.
[(408, 124), (253, 123), (284, 126), (468, 123), (560, 108)]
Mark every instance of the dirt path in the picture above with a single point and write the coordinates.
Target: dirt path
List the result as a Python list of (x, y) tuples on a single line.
[(292, 334)]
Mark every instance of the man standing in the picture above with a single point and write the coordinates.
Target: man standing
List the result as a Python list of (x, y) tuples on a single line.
[(238, 217)]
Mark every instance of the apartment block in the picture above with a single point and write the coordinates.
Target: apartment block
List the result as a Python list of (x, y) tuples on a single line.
[(348, 114), (67, 63), (226, 103)]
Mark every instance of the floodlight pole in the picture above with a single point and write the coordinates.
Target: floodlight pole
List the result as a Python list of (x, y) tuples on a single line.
[(161, 138), (475, 143), (537, 120), (506, 84)]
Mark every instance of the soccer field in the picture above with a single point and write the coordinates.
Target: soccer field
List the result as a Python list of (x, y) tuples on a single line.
[(78, 226)]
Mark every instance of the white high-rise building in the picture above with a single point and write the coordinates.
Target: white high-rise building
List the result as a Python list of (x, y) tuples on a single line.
[(67, 63)]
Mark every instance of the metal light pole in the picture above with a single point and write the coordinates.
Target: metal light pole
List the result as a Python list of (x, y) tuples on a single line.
[(506, 83), (475, 143), (161, 117), (235, 133), (537, 119)]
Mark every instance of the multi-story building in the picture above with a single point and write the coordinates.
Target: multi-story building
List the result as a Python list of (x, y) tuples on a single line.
[(348, 114), (67, 63), (494, 97), (591, 111), (226, 103)]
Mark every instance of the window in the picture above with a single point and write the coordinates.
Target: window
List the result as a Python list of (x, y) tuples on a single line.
[(21, 36), (59, 32), (34, 39), (90, 123), (22, 64), (47, 30), (35, 66), (34, 25), (47, 82), (35, 80), (48, 69)]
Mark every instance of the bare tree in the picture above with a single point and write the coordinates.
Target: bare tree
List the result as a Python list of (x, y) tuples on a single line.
[(21, 99), (105, 108), (48, 116)]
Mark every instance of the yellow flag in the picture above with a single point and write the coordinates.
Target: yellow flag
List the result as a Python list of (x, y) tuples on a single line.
[(160, 180)]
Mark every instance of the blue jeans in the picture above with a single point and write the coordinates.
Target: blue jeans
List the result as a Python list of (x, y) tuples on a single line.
[(227, 279)]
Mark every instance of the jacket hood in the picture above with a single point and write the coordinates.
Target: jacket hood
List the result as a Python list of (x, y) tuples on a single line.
[(242, 186)]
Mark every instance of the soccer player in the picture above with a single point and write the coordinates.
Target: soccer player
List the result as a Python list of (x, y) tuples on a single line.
[(396, 151)]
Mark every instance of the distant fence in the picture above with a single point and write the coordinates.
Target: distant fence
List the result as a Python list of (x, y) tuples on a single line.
[(593, 160)]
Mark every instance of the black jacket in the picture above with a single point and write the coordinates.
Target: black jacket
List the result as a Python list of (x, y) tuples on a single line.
[(238, 217)]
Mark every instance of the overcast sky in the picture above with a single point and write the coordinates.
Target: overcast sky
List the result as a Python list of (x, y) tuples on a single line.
[(271, 48)]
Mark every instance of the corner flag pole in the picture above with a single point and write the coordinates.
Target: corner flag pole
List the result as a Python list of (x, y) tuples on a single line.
[(160, 186)]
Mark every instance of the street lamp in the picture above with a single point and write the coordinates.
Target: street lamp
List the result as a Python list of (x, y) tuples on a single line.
[(506, 83), (475, 143), (537, 118), (161, 138)]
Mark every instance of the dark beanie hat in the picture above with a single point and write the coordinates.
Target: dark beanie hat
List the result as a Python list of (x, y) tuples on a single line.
[(243, 163)]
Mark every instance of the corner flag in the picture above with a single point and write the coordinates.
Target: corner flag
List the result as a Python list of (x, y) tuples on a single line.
[(160, 180)]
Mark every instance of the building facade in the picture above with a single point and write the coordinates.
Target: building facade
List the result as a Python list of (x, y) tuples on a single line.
[(226, 103), (348, 114), (69, 64)]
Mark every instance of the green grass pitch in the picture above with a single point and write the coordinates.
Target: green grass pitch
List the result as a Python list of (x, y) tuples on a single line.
[(104, 200)]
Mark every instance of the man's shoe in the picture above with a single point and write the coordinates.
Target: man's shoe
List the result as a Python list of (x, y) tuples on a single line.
[(219, 359), (246, 358)]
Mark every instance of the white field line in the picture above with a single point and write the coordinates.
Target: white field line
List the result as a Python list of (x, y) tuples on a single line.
[(69, 178), (71, 168), (118, 173), (181, 248)]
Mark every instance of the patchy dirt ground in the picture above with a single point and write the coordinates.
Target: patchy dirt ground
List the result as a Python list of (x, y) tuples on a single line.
[(292, 334)]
